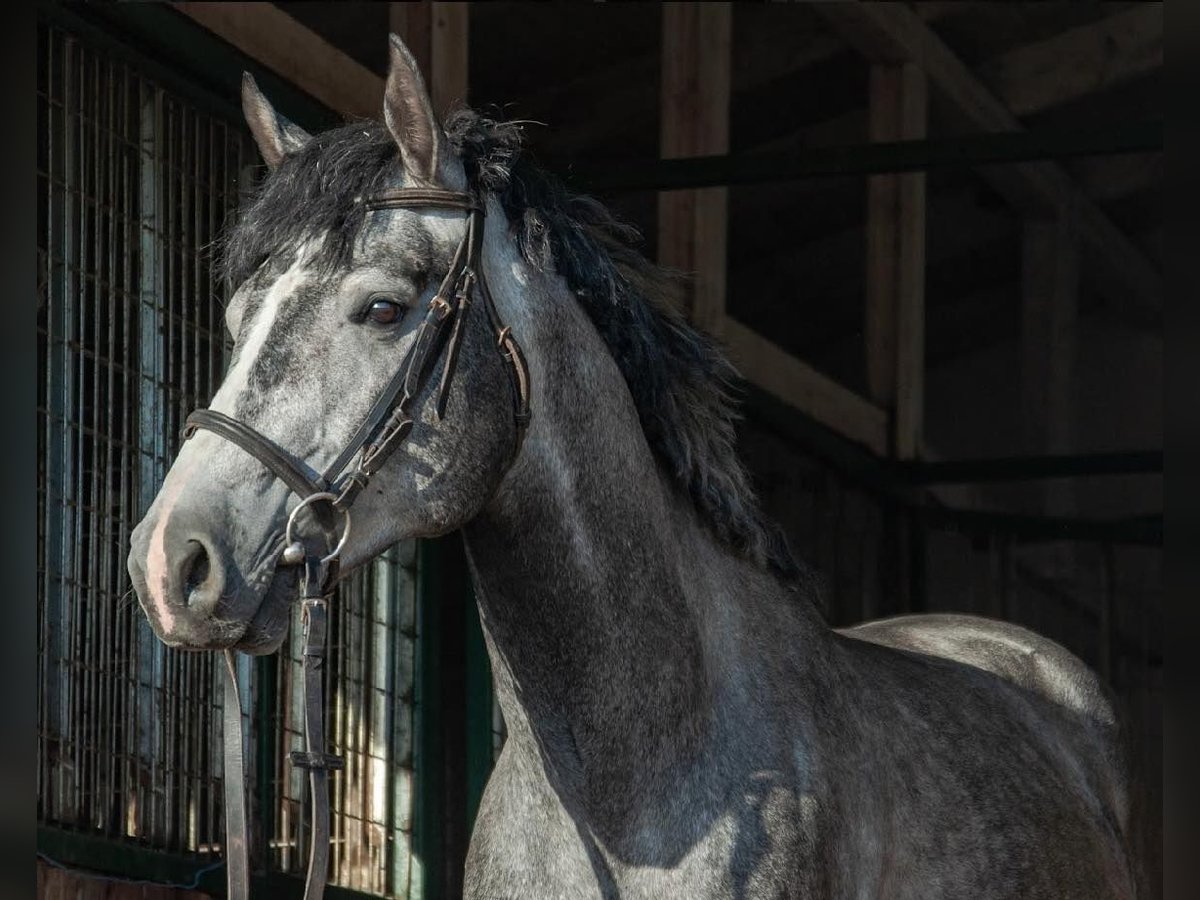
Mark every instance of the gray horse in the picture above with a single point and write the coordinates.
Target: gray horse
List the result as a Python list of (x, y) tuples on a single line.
[(681, 721)]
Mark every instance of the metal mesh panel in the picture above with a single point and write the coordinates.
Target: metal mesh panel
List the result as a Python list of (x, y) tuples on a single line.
[(134, 185), (131, 186), (369, 675)]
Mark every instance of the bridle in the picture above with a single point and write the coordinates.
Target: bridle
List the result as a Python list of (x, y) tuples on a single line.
[(388, 423)]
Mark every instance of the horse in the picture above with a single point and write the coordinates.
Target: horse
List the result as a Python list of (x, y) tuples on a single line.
[(682, 722)]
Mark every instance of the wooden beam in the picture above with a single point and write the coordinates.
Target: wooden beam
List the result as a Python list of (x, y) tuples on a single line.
[(448, 66), (908, 423), (268, 34), (895, 259), (883, 191), (1030, 468), (858, 158), (413, 24), (838, 408), (693, 224), (438, 34), (1079, 61), (891, 32), (1108, 178), (1050, 307)]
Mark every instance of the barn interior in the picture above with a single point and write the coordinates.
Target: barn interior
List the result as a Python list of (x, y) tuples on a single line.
[(928, 234)]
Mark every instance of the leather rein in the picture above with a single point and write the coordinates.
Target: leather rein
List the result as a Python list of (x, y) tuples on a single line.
[(385, 427)]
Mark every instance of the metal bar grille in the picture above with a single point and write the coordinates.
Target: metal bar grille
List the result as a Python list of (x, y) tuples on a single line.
[(114, 307), (370, 678), (134, 186)]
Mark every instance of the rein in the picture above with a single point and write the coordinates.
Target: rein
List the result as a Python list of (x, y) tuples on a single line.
[(385, 427)]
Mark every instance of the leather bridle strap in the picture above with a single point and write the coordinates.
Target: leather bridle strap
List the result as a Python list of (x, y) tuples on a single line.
[(293, 472), (422, 198), (237, 856), (405, 380), (318, 581)]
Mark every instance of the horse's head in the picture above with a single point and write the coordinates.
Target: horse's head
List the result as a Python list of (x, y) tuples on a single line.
[(330, 299)]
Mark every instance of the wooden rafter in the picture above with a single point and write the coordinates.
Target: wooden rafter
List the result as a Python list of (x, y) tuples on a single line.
[(693, 224), (895, 278), (1079, 61), (296, 53), (438, 36), (1049, 333), (858, 158), (798, 384), (891, 32), (436, 32)]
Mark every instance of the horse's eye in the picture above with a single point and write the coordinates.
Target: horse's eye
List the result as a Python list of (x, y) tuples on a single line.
[(384, 312)]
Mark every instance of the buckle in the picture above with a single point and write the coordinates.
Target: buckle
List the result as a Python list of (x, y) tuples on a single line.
[(376, 455), (466, 282), (349, 487)]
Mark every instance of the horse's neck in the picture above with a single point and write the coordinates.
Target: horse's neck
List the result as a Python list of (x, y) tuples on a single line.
[(611, 613)]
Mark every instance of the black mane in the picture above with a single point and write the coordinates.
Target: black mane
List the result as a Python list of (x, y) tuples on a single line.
[(679, 380)]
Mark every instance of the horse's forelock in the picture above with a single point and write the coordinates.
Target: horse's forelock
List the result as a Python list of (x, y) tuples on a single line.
[(314, 194)]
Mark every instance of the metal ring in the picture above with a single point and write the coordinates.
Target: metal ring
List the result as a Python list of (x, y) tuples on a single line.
[(312, 498)]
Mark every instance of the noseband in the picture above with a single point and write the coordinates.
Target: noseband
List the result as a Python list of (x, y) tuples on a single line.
[(388, 423)]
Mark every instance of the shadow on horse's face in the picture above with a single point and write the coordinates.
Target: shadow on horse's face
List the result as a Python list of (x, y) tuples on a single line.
[(316, 343)]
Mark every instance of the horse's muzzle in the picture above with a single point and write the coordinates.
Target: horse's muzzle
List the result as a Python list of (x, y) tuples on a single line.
[(191, 589)]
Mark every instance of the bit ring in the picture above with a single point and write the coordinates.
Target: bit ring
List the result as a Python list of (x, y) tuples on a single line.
[(312, 498)]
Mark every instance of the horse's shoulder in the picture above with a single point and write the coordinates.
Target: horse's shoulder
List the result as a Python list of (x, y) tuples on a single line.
[(1009, 651)]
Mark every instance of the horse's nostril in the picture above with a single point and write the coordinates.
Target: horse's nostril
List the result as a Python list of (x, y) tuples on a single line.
[(195, 570)]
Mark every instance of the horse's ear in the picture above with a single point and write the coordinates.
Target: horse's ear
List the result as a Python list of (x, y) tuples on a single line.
[(408, 112), (276, 136)]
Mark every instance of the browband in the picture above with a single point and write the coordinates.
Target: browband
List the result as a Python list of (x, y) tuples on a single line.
[(422, 198)]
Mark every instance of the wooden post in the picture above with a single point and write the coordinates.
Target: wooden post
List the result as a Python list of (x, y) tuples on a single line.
[(895, 277), (438, 35), (894, 331), (1050, 287), (692, 225), (413, 24)]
